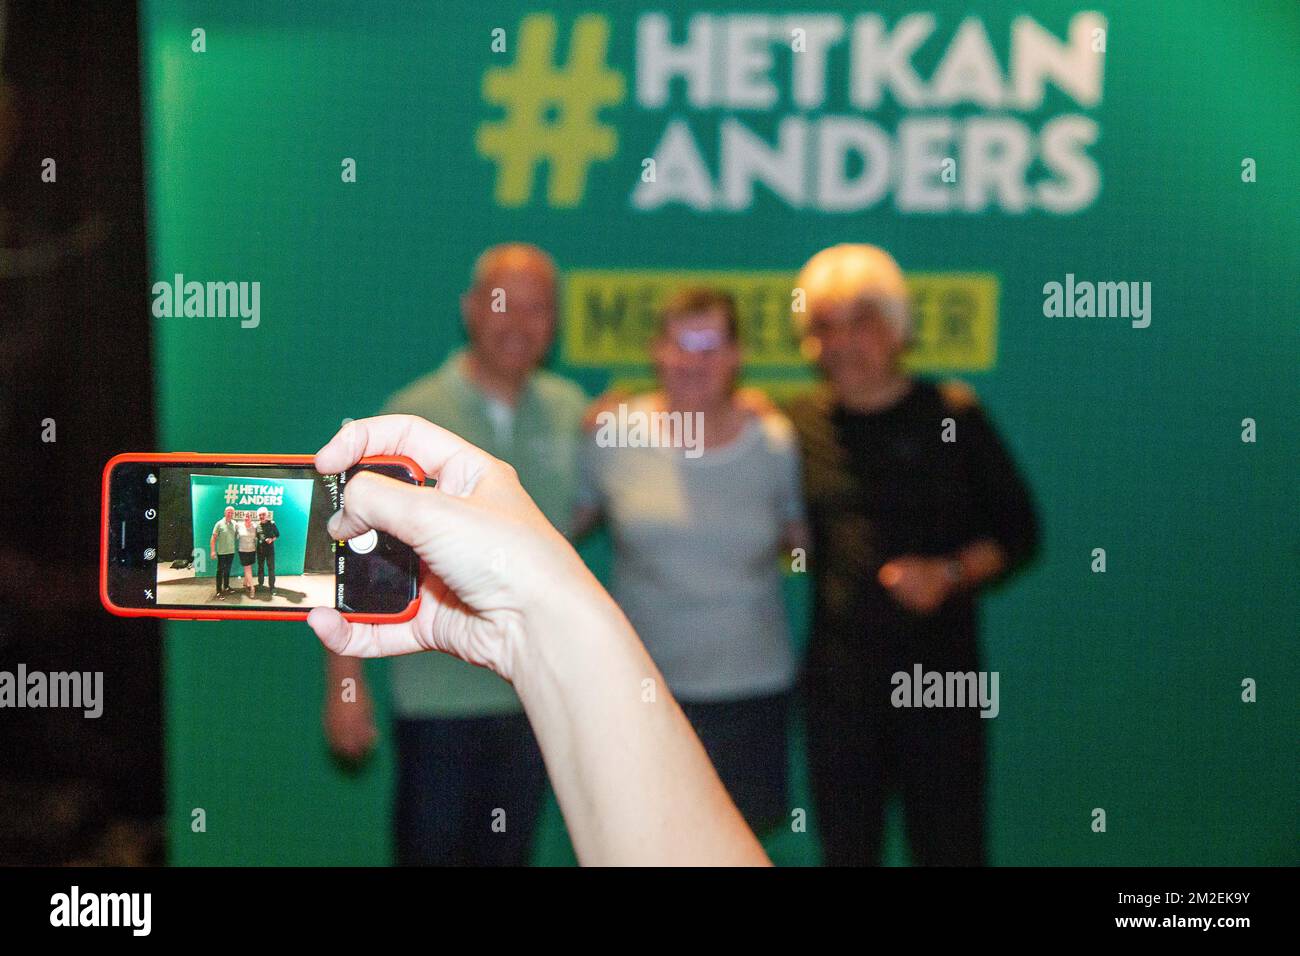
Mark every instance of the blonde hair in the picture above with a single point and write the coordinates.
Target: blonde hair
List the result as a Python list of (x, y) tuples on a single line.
[(855, 272)]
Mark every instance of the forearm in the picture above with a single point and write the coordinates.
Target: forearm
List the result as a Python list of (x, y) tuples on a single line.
[(338, 669), (981, 561), (633, 781)]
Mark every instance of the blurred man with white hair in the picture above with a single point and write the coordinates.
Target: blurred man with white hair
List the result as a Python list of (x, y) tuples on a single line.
[(915, 506)]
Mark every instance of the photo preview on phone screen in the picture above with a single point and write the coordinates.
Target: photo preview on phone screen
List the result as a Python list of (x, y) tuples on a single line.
[(245, 537)]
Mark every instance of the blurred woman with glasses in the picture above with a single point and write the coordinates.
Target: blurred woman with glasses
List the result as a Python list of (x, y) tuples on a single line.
[(697, 529)]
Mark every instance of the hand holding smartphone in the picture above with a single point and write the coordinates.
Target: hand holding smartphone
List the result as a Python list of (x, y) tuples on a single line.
[(212, 537)]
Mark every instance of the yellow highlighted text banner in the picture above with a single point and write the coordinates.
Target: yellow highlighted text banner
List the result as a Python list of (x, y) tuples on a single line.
[(609, 316)]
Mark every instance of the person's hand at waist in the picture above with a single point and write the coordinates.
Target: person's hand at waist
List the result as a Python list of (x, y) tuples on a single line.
[(920, 584), (924, 584)]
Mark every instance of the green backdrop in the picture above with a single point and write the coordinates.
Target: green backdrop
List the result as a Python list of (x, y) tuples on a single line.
[(209, 499), (1121, 690)]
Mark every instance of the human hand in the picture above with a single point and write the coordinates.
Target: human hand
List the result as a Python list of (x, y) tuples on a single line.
[(754, 401), (606, 401), (918, 584), (492, 563)]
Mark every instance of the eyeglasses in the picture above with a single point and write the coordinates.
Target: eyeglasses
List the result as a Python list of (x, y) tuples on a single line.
[(705, 342)]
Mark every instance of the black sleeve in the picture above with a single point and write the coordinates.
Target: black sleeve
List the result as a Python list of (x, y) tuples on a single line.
[(1001, 506)]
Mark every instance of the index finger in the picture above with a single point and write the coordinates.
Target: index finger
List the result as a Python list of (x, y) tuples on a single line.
[(430, 446)]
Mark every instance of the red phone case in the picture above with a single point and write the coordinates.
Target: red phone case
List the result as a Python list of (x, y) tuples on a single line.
[(186, 614)]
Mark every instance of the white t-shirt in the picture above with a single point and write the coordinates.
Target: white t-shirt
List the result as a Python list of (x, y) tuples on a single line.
[(696, 555), (502, 417), (247, 537)]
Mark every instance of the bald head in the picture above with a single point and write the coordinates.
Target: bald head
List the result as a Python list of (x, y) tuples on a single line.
[(509, 311), (512, 259)]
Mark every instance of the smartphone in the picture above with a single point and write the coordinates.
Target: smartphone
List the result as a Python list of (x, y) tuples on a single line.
[(212, 537)]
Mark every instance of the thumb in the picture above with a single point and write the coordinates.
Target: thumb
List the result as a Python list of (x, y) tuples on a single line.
[(410, 513), (330, 627)]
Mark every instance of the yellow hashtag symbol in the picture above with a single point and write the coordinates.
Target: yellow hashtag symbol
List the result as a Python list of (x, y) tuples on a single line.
[(550, 113)]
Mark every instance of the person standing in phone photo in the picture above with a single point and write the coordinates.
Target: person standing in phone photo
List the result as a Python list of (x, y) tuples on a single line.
[(222, 548), (267, 532)]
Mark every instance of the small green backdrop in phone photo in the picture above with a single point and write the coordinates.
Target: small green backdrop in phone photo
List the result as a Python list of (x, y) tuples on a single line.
[(287, 499)]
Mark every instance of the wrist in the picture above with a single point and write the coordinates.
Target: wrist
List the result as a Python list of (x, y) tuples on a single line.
[(561, 641), (954, 574)]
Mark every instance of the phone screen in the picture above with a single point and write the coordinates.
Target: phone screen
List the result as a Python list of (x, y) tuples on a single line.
[(246, 538)]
